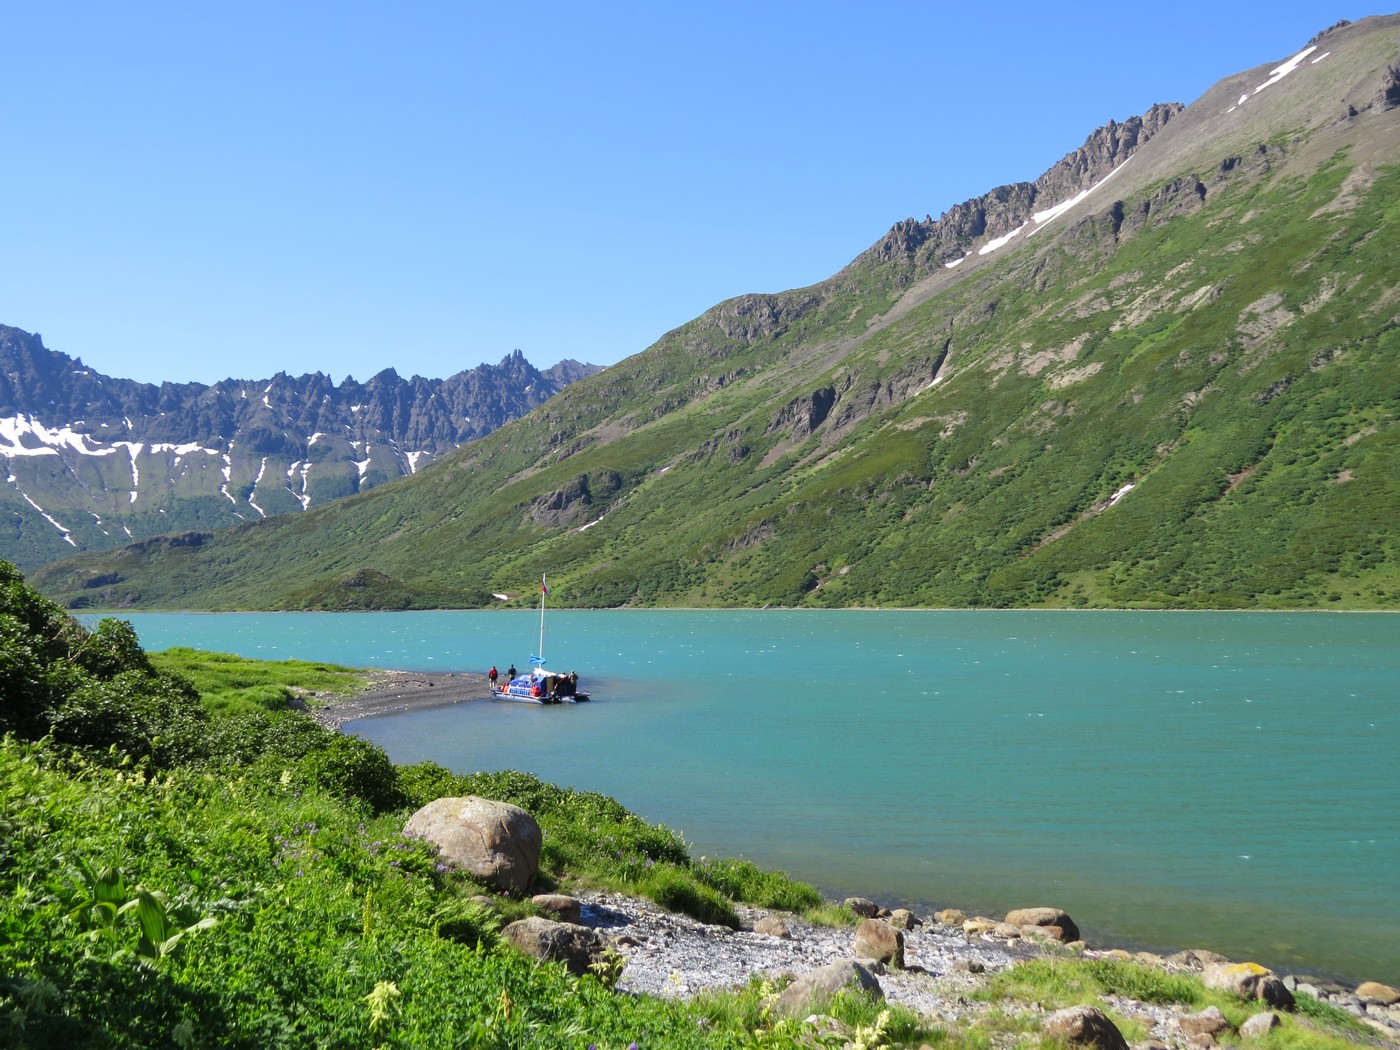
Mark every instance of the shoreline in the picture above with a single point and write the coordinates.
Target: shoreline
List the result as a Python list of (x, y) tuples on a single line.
[(394, 693), (399, 692)]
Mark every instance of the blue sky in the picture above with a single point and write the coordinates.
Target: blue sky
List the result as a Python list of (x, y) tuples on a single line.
[(198, 191)]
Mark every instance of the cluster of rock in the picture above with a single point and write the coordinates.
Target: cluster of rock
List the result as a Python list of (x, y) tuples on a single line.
[(929, 966)]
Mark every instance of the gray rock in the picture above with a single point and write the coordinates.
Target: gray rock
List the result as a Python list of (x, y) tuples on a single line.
[(1085, 1026), (865, 908), (1380, 994), (812, 990), (1259, 1025), (1237, 978), (1271, 991), (577, 947), (1249, 981), (904, 919), (1047, 917), (773, 926), (495, 841), (877, 939), (1209, 1021), (558, 905)]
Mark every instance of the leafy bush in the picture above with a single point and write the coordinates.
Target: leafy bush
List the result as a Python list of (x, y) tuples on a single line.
[(355, 769), (138, 714)]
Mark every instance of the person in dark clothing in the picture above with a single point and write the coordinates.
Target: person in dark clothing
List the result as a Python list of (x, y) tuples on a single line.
[(510, 673)]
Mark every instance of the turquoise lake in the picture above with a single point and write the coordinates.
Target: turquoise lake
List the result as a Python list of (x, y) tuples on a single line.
[(1219, 780)]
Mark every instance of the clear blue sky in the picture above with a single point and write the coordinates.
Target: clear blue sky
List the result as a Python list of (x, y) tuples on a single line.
[(192, 191)]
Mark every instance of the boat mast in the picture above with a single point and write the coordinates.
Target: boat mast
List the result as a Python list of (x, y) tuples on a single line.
[(544, 590)]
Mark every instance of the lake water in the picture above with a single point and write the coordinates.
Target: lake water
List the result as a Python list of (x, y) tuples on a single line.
[(1219, 780)]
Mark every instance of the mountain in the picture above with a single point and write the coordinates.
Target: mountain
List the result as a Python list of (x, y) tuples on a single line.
[(1164, 374), (94, 462)]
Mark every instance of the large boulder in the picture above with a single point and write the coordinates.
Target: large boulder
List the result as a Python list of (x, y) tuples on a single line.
[(495, 841), (1085, 1026), (577, 947), (1050, 918), (813, 990), (1249, 981), (876, 939), (1377, 994)]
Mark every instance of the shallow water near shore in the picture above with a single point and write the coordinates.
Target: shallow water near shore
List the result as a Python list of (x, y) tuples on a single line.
[(1220, 780)]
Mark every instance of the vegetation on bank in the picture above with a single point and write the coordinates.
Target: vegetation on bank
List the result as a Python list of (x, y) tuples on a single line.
[(179, 870)]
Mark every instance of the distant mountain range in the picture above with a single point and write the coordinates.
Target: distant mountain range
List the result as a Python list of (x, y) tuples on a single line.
[(93, 462), (1165, 374)]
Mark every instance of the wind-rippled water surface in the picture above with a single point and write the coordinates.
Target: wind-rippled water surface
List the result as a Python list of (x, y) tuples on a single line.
[(1220, 780)]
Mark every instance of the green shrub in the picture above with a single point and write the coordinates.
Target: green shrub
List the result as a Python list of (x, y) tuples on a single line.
[(356, 769), (138, 714)]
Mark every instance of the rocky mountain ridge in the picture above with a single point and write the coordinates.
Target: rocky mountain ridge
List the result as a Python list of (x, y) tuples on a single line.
[(94, 462), (1160, 375)]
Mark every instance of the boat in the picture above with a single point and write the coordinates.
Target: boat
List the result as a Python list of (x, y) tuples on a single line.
[(538, 686)]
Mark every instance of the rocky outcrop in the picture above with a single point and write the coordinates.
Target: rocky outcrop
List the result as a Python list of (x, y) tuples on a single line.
[(1102, 151), (1006, 208), (497, 842), (802, 415)]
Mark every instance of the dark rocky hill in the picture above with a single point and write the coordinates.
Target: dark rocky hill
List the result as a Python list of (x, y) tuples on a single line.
[(94, 462)]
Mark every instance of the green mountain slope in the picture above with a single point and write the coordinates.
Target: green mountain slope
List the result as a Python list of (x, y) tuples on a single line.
[(1180, 392)]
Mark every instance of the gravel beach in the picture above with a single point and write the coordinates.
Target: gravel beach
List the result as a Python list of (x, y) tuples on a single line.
[(394, 692)]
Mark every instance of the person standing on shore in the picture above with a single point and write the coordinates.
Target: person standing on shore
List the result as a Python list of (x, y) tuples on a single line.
[(492, 675), (510, 673)]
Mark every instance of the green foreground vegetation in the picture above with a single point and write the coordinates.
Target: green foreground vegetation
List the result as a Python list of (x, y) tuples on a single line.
[(188, 867)]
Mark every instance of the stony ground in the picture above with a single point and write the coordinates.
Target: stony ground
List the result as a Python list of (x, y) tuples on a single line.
[(677, 956)]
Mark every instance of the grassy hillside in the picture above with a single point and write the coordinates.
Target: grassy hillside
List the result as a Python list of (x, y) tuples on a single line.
[(1184, 397)]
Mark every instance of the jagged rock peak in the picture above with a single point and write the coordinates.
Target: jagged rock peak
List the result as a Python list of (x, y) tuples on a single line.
[(1340, 24), (1102, 151), (1005, 208)]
